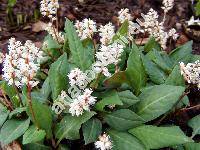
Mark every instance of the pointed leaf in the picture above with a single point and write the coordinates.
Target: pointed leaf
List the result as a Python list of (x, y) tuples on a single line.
[(70, 125), (159, 137), (157, 100), (123, 119), (194, 123), (91, 130), (33, 135), (13, 129), (125, 141)]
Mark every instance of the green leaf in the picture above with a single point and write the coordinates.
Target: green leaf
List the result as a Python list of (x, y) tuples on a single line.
[(13, 129), (175, 78), (122, 32), (125, 141), (36, 146), (91, 130), (156, 75), (58, 75), (3, 114), (43, 116), (135, 71), (52, 47), (80, 55), (123, 119), (151, 44), (192, 146), (33, 135), (46, 88), (128, 98), (70, 125), (157, 100), (182, 53), (17, 111), (194, 123), (116, 80), (159, 137), (110, 99), (197, 8), (63, 147)]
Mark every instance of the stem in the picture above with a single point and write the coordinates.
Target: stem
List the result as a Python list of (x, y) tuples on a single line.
[(174, 107), (17, 91), (31, 106), (95, 49)]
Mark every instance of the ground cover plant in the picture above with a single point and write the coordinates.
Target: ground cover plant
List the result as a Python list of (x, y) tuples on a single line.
[(93, 86)]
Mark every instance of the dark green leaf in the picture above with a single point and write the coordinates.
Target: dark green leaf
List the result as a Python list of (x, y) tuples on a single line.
[(33, 135), (111, 99), (46, 88), (58, 75), (36, 146), (91, 130), (13, 129), (70, 125), (116, 79), (157, 100), (43, 116), (135, 71), (80, 55), (156, 75), (123, 119), (17, 111), (125, 141), (3, 114), (152, 44), (128, 98), (192, 146), (175, 78), (159, 137), (182, 53), (194, 123)]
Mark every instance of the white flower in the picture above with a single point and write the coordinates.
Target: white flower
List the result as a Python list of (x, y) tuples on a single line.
[(86, 28), (124, 14), (104, 142), (82, 102), (172, 33), (106, 33), (167, 5), (49, 8), (107, 55), (21, 63), (192, 21), (191, 72), (57, 36), (77, 77)]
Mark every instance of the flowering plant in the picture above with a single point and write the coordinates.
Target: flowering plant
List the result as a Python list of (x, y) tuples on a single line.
[(109, 93)]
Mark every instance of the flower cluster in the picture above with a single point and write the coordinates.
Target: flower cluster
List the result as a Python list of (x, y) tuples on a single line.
[(86, 28), (167, 5), (21, 63), (191, 72), (124, 15), (104, 142), (107, 55), (77, 77), (82, 102), (156, 28), (106, 33), (57, 36), (49, 8)]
